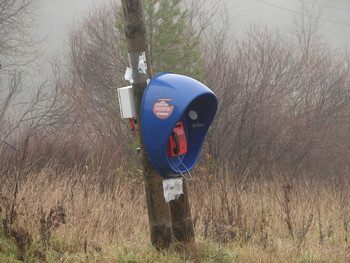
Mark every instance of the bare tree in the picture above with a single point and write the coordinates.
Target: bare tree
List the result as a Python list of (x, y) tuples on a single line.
[(278, 106), (23, 103), (96, 68), (17, 48), (15, 41)]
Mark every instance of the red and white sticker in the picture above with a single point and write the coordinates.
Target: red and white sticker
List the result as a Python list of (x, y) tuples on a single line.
[(162, 109)]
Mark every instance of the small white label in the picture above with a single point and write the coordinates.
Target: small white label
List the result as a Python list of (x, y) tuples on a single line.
[(173, 188), (128, 75), (142, 63)]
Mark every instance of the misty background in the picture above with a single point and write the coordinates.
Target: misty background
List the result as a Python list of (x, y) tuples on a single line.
[(55, 17), (275, 162)]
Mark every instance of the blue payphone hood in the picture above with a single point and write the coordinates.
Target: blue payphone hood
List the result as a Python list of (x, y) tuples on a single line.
[(170, 98)]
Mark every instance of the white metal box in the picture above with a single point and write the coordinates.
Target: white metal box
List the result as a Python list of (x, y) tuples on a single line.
[(127, 102)]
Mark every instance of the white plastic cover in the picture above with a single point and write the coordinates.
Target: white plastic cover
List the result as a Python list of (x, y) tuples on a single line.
[(173, 188)]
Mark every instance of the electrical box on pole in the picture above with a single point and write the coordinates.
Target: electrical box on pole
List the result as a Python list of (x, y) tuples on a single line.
[(127, 102)]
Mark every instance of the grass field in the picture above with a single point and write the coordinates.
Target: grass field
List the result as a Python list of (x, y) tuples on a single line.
[(84, 216)]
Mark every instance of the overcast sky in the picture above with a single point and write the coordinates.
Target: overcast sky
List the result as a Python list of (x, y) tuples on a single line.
[(334, 16), (55, 17)]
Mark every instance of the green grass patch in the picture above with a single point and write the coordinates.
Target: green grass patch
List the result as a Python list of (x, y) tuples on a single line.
[(73, 252), (8, 249)]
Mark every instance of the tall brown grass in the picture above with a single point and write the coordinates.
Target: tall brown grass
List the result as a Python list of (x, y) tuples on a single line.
[(276, 214)]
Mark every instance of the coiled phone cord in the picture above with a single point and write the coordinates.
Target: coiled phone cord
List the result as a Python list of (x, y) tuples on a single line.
[(177, 168)]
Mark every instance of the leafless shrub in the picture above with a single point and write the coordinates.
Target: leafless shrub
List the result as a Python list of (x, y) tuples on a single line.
[(9, 216), (17, 48), (276, 106), (96, 67), (50, 222), (287, 209), (306, 223), (263, 229), (320, 227)]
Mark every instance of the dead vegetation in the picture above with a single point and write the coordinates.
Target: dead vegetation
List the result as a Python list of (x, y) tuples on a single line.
[(281, 216), (273, 182)]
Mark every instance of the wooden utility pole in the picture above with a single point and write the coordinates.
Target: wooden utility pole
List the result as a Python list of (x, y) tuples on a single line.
[(182, 218), (168, 223)]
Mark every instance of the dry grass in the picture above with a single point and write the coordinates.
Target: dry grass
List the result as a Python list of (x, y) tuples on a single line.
[(276, 218), (93, 214), (269, 218)]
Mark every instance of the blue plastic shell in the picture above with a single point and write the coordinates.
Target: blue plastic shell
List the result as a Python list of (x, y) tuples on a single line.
[(184, 99)]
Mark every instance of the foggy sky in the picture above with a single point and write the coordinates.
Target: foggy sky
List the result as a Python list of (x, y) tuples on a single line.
[(55, 17), (334, 17)]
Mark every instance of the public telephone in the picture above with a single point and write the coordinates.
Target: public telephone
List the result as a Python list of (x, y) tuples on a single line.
[(176, 113), (177, 144)]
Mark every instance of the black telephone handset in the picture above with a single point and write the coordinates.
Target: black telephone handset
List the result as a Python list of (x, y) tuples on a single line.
[(176, 149)]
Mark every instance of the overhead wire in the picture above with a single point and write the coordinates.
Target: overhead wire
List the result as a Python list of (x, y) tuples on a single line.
[(298, 13), (334, 7)]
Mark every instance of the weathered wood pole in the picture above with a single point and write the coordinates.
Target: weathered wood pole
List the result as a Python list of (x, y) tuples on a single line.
[(181, 218), (158, 210), (167, 225)]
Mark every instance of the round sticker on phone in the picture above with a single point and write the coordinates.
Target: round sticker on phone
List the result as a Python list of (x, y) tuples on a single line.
[(162, 109)]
